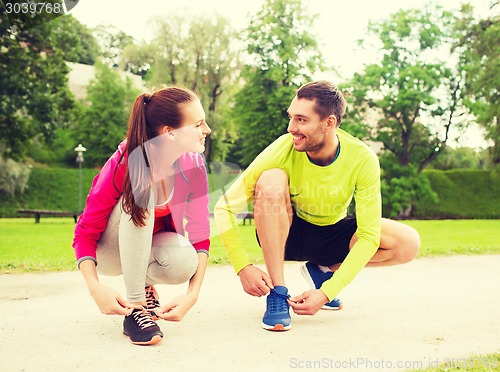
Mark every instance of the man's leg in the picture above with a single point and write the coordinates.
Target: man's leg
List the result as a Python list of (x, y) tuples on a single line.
[(273, 217), (399, 243)]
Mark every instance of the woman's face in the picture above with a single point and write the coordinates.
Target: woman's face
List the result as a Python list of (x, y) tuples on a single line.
[(190, 136)]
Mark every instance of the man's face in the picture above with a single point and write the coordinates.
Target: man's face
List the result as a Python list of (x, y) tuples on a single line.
[(306, 126)]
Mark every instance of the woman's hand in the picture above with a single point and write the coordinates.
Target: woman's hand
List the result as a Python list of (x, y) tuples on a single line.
[(176, 309), (109, 301)]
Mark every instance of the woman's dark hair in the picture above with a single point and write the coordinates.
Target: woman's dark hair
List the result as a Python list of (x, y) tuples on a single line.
[(150, 113), (328, 98)]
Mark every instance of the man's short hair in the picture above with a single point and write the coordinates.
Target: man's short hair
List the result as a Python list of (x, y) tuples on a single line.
[(329, 100)]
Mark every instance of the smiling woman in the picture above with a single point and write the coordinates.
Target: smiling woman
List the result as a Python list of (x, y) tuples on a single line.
[(134, 220)]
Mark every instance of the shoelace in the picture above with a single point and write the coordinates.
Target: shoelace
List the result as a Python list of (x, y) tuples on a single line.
[(143, 319), (278, 302), (151, 298)]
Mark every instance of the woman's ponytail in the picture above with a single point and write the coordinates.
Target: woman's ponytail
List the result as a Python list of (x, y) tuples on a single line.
[(137, 190)]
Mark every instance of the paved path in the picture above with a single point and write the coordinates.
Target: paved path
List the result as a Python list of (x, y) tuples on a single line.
[(394, 318)]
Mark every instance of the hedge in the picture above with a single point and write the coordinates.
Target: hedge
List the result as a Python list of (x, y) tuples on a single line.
[(462, 193), (49, 188)]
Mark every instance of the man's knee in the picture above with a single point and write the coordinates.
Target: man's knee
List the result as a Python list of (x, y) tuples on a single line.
[(271, 185), (409, 244)]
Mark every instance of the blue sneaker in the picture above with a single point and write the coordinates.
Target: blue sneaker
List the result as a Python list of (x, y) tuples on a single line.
[(315, 278), (277, 315)]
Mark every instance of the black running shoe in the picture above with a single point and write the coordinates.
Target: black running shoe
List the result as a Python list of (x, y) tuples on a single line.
[(141, 328)]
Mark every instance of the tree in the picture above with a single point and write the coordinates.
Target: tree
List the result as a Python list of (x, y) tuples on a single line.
[(282, 55), (198, 53), (112, 42), (413, 92), (481, 48), (104, 121), (34, 96), (74, 40)]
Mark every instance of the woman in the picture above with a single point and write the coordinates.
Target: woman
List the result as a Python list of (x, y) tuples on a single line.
[(133, 222)]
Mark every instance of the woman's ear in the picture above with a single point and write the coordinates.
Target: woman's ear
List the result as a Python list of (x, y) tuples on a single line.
[(168, 131)]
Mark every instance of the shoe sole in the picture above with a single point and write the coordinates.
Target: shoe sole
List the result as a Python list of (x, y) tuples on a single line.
[(276, 327), (310, 283), (154, 340), (331, 308)]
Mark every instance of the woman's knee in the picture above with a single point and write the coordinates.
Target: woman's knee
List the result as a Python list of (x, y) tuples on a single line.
[(174, 258)]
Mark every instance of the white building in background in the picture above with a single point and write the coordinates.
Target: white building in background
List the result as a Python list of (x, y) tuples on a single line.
[(81, 75)]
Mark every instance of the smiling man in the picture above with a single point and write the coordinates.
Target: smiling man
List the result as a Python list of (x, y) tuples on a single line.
[(302, 185)]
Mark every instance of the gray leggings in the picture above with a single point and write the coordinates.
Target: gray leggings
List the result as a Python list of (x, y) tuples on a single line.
[(143, 258)]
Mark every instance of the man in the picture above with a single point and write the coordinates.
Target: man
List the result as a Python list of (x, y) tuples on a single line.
[(302, 185)]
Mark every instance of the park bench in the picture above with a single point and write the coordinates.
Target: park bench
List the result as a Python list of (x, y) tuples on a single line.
[(246, 216), (39, 212)]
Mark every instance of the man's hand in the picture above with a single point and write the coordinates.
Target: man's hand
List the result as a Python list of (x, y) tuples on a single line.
[(308, 303), (255, 281)]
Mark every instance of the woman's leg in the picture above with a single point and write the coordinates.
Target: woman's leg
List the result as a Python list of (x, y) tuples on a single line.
[(135, 250), (125, 249), (173, 259)]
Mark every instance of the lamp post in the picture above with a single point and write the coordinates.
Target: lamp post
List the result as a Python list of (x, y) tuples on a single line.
[(79, 159)]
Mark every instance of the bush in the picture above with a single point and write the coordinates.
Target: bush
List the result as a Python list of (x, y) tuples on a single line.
[(462, 193), (13, 176)]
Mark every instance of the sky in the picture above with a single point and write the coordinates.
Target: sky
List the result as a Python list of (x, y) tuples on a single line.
[(347, 20)]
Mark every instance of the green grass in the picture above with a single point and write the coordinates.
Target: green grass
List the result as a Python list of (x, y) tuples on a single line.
[(448, 237), (475, 363), (29, 247)]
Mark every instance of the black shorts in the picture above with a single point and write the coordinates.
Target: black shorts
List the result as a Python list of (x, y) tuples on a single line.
[(322, 245)]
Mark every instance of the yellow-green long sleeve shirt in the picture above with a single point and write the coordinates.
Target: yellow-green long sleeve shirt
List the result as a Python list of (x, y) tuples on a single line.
[(319, 195)]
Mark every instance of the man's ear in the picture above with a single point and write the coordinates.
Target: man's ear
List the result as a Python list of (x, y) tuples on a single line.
[(331, 122)]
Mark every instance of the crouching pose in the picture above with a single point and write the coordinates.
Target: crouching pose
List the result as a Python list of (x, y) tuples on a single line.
[(149, 193), (301, 186)]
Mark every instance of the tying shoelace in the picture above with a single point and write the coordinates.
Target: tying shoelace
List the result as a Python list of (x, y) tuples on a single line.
[(278, 301), (143, 318)]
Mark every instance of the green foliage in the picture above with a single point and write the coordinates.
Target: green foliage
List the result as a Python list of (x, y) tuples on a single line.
[(284, 54), (104, 122), (75, 40), (462, 157), (411, 97), (13, 176), (33, 87), (48, 188), (196, 52), (462, 193), (480, 44), (412, 93), (400, 186)]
